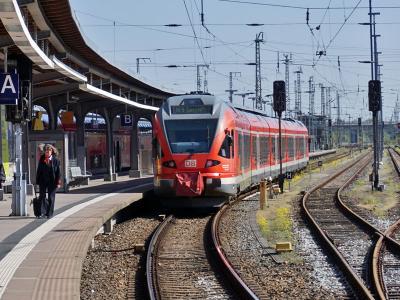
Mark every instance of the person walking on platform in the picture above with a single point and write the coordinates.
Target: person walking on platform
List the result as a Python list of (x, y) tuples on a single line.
[(48, 179)]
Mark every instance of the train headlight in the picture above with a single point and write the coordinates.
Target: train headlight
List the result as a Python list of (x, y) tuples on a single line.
[(212, 163), (169, 164)]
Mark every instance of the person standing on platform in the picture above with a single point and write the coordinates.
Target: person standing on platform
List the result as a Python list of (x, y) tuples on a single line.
[(48, 179)]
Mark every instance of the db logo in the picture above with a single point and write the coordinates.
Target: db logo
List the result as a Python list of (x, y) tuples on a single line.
[(190, 163)]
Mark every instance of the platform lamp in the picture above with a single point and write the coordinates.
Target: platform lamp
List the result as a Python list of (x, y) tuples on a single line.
[(279, 97)]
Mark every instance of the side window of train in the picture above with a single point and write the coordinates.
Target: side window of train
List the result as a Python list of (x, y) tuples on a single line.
[(246, 150), (273, 153), (240, 150), (264, 150), (254, 147), (225, 150), (291, 147), (233, 143)]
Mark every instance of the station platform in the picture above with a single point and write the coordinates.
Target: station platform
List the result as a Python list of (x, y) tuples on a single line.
[(42, 258)]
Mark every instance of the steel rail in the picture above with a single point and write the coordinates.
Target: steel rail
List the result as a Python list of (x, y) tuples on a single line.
[(241, 287), (152, 284), (361, 289), (378, 249)]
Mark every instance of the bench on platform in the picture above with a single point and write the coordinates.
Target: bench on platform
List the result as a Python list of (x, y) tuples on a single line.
[(78, 178)]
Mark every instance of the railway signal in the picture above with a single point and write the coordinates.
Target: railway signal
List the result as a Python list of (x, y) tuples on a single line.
[(375, 103), (279, 96), (374, 95)]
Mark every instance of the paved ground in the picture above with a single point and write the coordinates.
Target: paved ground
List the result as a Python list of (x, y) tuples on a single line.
[(42, 259)]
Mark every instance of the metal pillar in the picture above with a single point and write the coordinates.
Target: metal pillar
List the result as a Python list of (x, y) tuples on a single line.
[(231, 90), (19, 205), (135, 157), (80, 143), (281, 178), (258, 40), (297, 105), (339, 142), (110, 162), (287, 62)]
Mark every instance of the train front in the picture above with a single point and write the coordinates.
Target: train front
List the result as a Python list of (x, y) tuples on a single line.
[(193, 148)]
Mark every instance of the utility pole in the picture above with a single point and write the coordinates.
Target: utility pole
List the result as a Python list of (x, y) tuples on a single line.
[(138, 59), (231, 90), (311, 112), (338, 119), (374, 93), (396, 111), (323, 116), (323, 112), (199, 77), (258, 40), (328, 109), (287, 62), (311, 91), (297, 104)]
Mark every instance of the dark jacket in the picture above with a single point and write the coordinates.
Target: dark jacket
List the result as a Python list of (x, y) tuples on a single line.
[(48, 174)]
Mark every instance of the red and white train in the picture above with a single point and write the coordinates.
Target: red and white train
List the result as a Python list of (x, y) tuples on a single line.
[(205, 147)]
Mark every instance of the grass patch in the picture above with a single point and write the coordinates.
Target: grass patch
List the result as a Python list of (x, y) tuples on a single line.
[(278, 227), (377, 202)]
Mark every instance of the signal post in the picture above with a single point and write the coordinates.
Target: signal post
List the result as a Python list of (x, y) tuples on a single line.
[(375, 105), (279, 98), (16, 94)]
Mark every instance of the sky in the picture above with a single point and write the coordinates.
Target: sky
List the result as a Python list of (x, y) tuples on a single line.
[(124, 30)]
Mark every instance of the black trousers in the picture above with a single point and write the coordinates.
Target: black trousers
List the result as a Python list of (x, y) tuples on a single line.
[(47, 207)]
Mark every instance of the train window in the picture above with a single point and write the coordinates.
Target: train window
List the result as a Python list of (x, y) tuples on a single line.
[(233, 143), (247, 152), (284, 147), (254, 148), (240, 145), (225, 150), (190, 136), (192, 101), (291, 147), (273, 150), (264, 150)]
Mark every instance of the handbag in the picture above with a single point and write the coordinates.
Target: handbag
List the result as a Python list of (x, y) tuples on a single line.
[(37, 206)]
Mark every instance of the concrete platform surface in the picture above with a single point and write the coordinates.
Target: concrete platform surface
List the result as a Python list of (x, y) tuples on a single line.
[(42, 259)]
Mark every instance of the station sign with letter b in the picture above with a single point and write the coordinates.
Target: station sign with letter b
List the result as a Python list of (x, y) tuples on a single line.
[(126, 120)]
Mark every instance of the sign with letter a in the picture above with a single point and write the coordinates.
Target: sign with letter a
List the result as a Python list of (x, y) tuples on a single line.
[(126, 120), (9, 88)]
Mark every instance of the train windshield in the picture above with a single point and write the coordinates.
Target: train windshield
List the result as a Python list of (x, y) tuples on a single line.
[(190, 136)]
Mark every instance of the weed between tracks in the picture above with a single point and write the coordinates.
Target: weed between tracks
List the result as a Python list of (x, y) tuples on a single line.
[(275, 221), (379, 203)]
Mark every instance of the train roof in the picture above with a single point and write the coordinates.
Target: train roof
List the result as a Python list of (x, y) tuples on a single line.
[(197, 105), (209, 106)]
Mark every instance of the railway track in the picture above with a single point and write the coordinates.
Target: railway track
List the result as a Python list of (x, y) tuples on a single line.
[(313, 164), (361, 257), (170, 269), (386, 256), (179, 264), (335, 228)]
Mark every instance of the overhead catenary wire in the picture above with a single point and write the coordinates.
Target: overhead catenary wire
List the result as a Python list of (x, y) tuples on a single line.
[(304, 7)]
